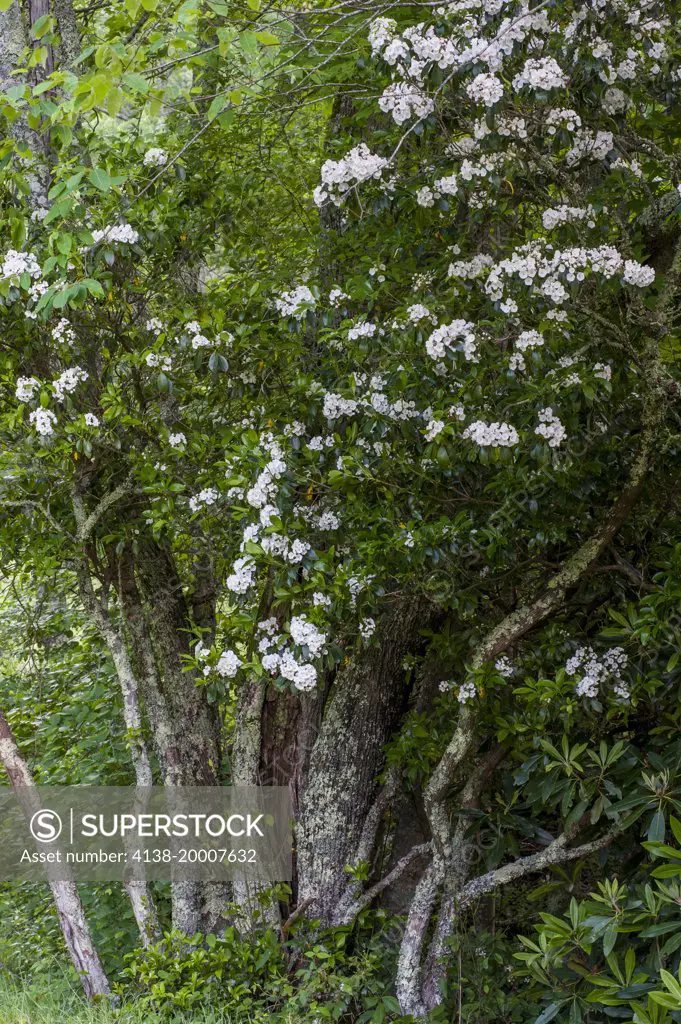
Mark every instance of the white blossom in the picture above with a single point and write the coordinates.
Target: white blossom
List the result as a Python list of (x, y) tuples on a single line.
[(116, 233), (26, 388), (492, 435), (155, 157), (290, 303), (228, 665), (367, 628), (242, 577), (448, 335), (67, 383), (550, 428), (540, 73), (43, 420), (485, 88)]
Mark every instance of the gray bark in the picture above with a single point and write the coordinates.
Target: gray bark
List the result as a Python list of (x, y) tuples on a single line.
[(189, 723), (361, 713)]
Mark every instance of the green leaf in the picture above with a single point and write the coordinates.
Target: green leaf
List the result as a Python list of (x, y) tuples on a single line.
[(675, 825), (100, 179), (267, 38), (218, 104), (59, 209), (550, 1012), (136, 82), (672, 984), (93, 286), (656, 828)]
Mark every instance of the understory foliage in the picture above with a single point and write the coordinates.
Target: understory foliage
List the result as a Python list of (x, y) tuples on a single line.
[(339, 415)]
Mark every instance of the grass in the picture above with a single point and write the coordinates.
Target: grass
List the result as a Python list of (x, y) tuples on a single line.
[(57, 1001), (54, 1002)]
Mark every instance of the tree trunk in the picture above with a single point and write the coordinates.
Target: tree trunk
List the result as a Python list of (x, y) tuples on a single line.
[(364, 706), (139, 892), (186, 725), (72, 919)]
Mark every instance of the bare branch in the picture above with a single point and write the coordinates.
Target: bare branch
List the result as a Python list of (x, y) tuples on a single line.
[(349, 914)]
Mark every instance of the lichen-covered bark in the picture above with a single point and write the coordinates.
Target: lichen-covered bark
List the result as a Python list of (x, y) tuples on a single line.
[(363, 708), (195, 720), (72, 920), (189, 722)]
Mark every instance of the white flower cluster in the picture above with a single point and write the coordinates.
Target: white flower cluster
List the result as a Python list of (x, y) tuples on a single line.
[(367, 628), (419, 312), (155, 325), (16, 263), (155, 157), (468, 270), (564, 214), (293, 303), (363, 329), (319, 443), (265, 487), (26, 388), (116, 233), (448, 335), (242, 576), (208, 496), (228, 665), (91, 420), (433, 428), (35, 291), (637, 274), (404, 100), (340, 175), (536, 267), (306, 634), (592, 145), (504, 667), (507, 127), (381, 34), (425, 197), (562, 117), (67, 382), (177, 440), (448, 185), (485, 88), (336, 296), (327, 521), (199, 340), (492, 435), (550, 428), (528, 339), (278, 546), (542, 73), (43, 420), (596, 671), (615, 101), (276, 658), (336, 406), (159, 360), (467, 692)]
